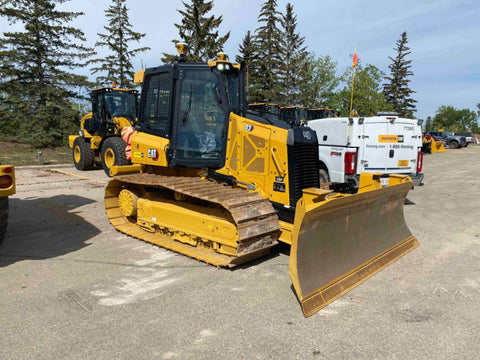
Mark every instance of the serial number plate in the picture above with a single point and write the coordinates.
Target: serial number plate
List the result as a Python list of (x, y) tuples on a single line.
[(402, 162)]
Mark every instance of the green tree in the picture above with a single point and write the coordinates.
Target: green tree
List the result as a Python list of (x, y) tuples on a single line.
[(428, 126), (451, 119), (199, 32), (319, 81), (292, 71), (264, 86), (248, 53), (38, 87), (368, 98), (397, 89), (117, 65)]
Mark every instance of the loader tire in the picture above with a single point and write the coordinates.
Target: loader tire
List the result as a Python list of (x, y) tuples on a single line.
[(113, 153), (83, 154), (3, 217)]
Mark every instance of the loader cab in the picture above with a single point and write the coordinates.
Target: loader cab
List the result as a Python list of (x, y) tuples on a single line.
[(190, 104), (294, 114), (110, 102), (322, 113), (266, 110)]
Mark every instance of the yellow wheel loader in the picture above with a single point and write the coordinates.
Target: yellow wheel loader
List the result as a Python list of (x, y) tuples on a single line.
[(7, 188), (266, 110), (322, 113), (112, 110), (219, 183)]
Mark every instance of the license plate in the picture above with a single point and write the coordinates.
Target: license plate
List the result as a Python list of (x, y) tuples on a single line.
[(384, 181), (402, 162)]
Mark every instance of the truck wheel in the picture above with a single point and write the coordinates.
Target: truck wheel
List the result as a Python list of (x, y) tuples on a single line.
[(113, 153), (83, 155), (3, 217), (324, 178), (453, 145)]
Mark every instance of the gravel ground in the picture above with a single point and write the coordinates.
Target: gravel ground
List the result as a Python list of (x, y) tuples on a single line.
[(71, 287)]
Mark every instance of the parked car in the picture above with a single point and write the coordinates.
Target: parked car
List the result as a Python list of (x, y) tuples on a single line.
[(450, 140), (468, 137)]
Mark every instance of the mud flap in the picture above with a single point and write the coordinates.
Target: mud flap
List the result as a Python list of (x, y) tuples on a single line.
[(340, 242)]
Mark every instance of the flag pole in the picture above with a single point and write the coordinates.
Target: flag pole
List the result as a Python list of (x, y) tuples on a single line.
[(354, 65)]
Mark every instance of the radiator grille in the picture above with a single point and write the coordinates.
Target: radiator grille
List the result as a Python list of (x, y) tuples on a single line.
[(304, 163)]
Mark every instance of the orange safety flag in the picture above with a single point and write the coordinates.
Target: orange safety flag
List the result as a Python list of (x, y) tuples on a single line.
[(355, 59)]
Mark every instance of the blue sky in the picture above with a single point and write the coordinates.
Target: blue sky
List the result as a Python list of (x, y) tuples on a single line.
[(443, 36)]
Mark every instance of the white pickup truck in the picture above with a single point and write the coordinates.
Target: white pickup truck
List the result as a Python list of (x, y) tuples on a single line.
[(385, 143)]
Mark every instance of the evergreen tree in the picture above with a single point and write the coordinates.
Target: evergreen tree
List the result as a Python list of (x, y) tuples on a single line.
[(292, 69), (248, 54), (118, 64), (264, 86), (397, 88), (199, 32), (37, 86), (247, 50)]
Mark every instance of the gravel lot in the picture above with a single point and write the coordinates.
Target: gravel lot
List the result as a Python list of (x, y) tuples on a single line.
[(71, 287)]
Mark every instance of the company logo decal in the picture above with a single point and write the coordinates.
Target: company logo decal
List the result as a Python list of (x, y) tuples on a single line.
[(390, 138)]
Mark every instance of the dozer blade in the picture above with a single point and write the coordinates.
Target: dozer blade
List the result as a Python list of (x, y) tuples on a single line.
[(339, 243), (437, 146)]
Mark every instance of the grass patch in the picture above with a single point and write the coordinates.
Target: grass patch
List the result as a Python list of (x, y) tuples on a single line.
[(24, 154)]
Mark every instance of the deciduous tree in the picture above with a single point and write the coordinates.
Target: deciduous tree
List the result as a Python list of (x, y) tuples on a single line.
[(319, 81), (368, 98)]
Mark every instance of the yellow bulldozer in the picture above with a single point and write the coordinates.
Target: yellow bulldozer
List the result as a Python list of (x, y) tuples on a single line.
[(430, 145), (112, 110), (7, 188), (219, 183)]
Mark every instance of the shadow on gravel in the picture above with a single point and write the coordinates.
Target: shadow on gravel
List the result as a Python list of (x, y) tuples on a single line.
[(43, 228)]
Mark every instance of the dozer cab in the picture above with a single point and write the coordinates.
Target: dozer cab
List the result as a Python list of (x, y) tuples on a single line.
[(216, 182), (294, 114), (7, 188), (112, 110)]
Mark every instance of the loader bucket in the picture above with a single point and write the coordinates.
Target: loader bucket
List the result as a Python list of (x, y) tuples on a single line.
[(338, 243), (437, 146)]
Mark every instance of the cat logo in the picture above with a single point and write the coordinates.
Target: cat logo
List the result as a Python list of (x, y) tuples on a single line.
[(307, 135), (152, 154)]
